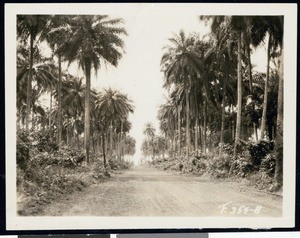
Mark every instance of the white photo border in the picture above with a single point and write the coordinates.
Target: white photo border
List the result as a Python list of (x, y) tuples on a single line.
[(289, 11)]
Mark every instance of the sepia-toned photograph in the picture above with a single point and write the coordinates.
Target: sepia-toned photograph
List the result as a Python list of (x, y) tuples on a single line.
[(150, 116)]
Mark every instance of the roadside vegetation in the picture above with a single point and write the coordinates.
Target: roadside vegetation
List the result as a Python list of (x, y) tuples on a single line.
[(221, 117), (69, 135)]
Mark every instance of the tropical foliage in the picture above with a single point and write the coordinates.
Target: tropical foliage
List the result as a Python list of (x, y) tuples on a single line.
[(63, 122), (215, 98)]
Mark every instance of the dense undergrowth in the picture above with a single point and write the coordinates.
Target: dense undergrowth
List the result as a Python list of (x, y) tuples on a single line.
[(46, 172), (255, 164)]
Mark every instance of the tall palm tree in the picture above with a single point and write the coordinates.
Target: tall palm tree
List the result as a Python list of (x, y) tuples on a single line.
[(56, 33), (30, 26), (279, 128), (43, 74), (237, 25), (94, 40), (269, 27), (179, 63)]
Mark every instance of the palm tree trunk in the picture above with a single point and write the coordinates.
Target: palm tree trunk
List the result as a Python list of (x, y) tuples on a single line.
[(265, 103), (32, 117), (239, 100), (196, 126), (196, 135), (204, 127), (200, 135), (210, 134), (59, 112), (50, 109), (111, 141), (279, 129), (87, 111), (29, 86), (187, 124), (251, 87), (152, 145), (103, 151), (172, 147), (222, 126), (179, 130), (93, 142), (121, 139), (119, 145)]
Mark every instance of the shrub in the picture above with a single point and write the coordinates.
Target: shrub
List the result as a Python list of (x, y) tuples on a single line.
[(44, 140), (227, 149), (242, 167), (220, 165), (23, 149), (259, 150), (268, 165)]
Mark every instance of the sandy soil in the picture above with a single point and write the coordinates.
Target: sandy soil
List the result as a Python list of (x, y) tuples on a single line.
[(148, 192)]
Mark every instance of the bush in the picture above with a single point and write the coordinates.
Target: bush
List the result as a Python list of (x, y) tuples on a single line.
[(44, 140), (23, 149), (242, 167), (259, 150), (227, 149), (220, 165), (268, 165)]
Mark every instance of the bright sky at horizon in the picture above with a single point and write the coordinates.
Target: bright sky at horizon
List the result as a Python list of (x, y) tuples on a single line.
[(138, 73)]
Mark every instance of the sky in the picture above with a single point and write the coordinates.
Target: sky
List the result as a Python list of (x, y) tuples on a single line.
[(138, 73)]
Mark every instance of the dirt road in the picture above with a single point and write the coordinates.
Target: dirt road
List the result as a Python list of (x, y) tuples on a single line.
[(148, 192)]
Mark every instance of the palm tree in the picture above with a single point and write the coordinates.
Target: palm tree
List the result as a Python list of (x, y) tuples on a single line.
[(56, 34), (122, 126), (167, 114), (237, 24), (73, 92), (112, 107), (279, 128), (30, 26), (271, 27), (179, 63), (94, 40), (43, 73), (129, 145), (149, 131)]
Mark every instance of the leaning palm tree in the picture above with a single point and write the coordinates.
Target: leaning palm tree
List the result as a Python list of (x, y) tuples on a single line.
[(94, 40)]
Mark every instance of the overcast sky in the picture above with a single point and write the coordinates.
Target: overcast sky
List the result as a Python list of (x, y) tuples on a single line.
[(138, 73)]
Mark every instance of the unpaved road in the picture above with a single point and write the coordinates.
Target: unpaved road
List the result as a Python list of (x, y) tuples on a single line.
[(149, 192)]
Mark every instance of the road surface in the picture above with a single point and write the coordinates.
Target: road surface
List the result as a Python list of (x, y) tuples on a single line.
[(149, 192)]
